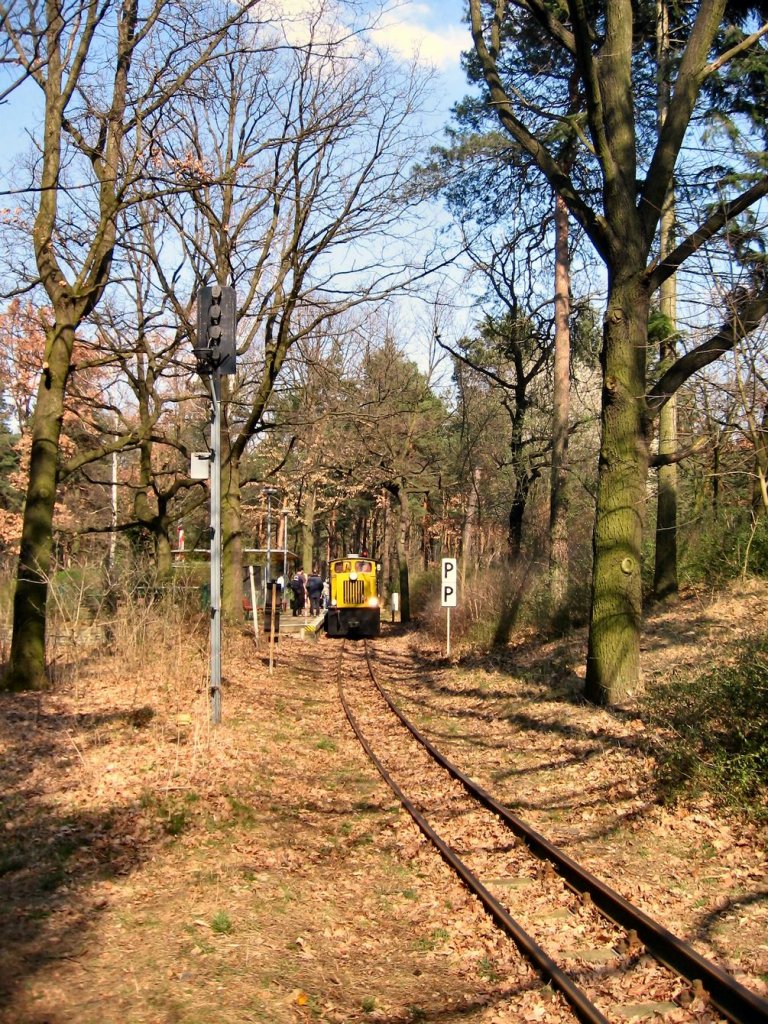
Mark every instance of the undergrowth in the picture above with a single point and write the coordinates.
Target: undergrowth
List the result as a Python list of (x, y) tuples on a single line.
[(496, 604), (713, 733)]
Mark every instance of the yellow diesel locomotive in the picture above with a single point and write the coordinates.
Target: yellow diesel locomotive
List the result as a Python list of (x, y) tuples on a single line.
[(354, 608)]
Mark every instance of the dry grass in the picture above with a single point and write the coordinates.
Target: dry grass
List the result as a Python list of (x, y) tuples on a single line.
[(155, 869)]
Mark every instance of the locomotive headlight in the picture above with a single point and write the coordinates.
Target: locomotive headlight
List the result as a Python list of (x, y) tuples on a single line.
[(333, 604), (353, 575), (373, 602)]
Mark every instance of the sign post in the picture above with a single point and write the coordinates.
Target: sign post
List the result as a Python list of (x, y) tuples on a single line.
[(216, 356), (448, 594), (216, 550), (272, 617), (253, 606)]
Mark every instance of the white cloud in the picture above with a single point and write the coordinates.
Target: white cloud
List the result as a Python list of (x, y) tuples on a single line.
[(409, 38), (300, 21), (431, 32)]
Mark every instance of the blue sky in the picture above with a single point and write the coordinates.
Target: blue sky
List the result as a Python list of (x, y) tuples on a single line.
[(431, 29)]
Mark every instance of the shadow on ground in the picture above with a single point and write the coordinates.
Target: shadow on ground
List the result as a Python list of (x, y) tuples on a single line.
[(51, 862)]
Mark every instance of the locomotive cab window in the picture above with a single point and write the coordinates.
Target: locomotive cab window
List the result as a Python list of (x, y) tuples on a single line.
[(363, 566)]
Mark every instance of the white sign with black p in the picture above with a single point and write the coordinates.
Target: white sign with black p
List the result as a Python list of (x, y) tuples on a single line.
[(448, 584)]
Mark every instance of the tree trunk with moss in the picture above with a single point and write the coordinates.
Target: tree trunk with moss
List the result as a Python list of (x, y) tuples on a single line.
[(26, 668), (384, 576), (308, 529), (397, 490), (760, 486), (163, 553), (152, 519), (665, 580), (613, 657), (88, 54), (469, 545), (620, 218)]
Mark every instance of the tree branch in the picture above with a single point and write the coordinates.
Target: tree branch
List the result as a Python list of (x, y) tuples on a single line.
[(750, 311), (659, 272), (550, 168)]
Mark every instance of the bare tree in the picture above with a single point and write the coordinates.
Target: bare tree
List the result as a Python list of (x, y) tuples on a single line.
[(296, 177), (95, 143)]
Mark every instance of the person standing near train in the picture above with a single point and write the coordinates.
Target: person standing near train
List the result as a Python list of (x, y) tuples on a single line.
[(315, 591), (299, 590)]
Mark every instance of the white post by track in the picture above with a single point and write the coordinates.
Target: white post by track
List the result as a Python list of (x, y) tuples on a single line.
[(273, 613), (448, 595), (253, 606)]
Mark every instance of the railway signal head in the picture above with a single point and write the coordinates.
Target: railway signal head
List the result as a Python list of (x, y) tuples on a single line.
[(216, 329)]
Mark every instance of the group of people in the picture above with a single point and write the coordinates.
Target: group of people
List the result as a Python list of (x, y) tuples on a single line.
[(310, 589)]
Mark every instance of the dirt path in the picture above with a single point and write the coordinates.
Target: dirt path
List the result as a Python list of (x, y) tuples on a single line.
[(155, 870)]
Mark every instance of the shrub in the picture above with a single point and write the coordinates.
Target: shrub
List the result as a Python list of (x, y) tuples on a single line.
[(423, 587), (755, 547), (723, 549), (713, 732), (487, 598), (221, 923), (77, 593)]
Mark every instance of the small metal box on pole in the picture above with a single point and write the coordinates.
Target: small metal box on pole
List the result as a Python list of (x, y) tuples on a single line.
[(200, 465)]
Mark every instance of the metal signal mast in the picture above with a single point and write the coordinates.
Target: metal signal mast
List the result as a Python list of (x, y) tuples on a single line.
[(216, 355)]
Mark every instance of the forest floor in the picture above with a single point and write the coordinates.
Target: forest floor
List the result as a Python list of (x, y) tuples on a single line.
[(154, 868)]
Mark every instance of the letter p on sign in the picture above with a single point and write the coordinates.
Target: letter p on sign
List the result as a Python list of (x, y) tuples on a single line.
[(448, 583)]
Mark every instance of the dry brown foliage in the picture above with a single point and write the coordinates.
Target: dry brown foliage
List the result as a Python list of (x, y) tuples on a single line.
[(154, 868)]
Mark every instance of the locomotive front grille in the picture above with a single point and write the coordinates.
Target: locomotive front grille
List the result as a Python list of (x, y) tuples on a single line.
[(354, 592)]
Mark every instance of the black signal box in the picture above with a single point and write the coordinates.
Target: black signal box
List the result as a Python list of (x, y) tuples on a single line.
[(216, 346)]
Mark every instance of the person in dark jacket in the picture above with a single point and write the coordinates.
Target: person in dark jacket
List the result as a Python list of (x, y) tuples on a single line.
[(315, 591), (299, 590)]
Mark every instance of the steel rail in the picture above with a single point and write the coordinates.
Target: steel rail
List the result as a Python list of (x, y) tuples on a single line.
[(733, 1000), (585, 1010)]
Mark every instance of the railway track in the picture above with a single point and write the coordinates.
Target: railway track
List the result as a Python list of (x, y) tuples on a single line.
[(590, 944)]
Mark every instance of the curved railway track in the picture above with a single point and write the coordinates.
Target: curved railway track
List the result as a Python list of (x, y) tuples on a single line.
[(601, 946)]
